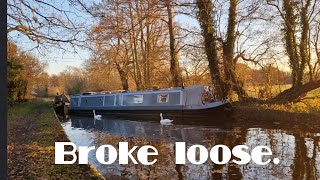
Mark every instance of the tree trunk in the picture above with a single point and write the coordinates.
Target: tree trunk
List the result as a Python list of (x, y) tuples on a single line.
[(205, 9), (232, 81), (136, 69), (138, 79), (297, 42), (290, 40), (298, 52), (295, 93), (304, 42), (123, 77), (174, 63), (147, 58)]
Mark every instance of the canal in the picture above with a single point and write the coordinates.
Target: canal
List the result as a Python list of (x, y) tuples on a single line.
[(294, 139)]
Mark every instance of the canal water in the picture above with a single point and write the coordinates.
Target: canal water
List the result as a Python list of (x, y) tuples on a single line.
[(293, 138)]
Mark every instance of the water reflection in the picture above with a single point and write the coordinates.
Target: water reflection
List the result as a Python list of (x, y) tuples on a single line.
[(295, 144)]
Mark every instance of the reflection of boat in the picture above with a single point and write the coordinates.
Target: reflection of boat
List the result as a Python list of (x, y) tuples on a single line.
[(144, 129), (196, 101)]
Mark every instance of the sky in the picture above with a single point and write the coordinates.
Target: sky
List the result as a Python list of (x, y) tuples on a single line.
[(57, 61)]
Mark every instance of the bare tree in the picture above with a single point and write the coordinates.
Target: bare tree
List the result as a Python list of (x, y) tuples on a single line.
[(135, 39), (47, 23)]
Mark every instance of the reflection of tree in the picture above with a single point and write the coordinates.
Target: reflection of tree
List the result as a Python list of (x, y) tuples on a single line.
[(311, 163), (237, 136), (300, 162), (303, 165)]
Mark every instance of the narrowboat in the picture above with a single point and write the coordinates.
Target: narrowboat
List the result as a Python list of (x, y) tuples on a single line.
[(197, 101)]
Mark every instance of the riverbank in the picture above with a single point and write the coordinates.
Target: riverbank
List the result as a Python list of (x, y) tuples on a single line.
[(309, 104), (32, 131), (302, 115)]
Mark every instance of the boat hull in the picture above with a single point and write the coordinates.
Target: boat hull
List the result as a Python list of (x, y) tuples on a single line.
[(213, 114)]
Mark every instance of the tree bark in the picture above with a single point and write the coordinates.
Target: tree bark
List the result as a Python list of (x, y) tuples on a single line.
[(205, 9), (304, 42), (147, 57), (298, 52), (123, 77), (232, 81), (295, 93), (174, 63), (133, 46), (138, 79)]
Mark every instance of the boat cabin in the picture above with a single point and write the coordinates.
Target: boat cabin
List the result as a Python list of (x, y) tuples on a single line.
[(191, 97)]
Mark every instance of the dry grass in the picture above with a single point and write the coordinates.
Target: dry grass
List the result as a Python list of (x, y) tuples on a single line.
[(253, 91), (308, 104)]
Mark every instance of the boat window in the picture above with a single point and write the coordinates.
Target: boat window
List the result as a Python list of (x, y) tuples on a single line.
[(163, 98), (137, 99)]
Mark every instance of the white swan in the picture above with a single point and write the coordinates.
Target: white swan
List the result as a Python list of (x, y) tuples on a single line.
[(165, 121), (96, 116)]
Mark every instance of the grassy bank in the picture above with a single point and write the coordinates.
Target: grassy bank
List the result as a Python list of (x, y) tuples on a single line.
[(302, 114), (308, 104), (32, 131)]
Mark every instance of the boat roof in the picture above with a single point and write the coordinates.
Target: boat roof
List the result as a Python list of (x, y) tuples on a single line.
[(187, 88)]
